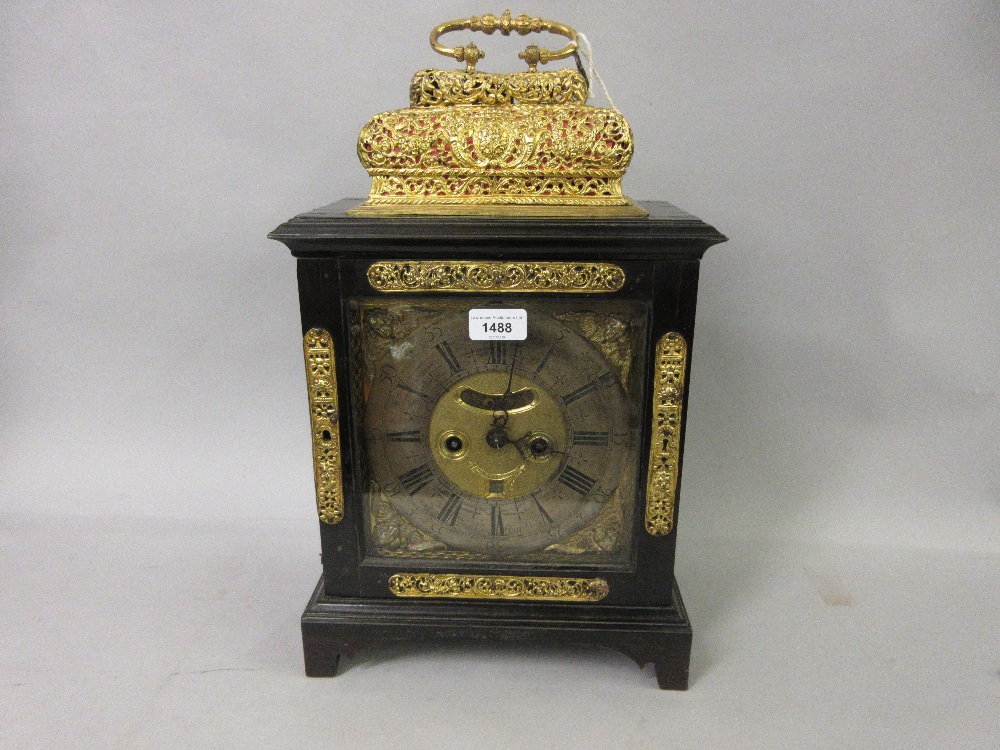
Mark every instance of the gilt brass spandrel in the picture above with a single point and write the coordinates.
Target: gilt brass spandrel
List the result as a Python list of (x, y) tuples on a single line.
[(607, 534), (391, 534), (495, 276), (612, 334), (534, 588), (669, 365), (321, 380)]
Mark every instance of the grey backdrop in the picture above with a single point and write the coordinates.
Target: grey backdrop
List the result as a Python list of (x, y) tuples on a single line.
[(157, 516), (846, 355)]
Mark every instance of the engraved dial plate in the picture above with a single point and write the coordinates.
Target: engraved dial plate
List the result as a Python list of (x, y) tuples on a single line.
[(498, 448)]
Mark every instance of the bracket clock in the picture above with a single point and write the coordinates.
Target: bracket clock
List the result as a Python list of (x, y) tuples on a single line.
[(497, 351)]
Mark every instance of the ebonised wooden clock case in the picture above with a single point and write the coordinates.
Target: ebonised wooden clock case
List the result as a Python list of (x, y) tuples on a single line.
[(628, 601)]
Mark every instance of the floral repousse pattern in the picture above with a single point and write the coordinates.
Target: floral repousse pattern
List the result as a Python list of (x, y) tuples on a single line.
[(516, 154), (611, 334), (321, 380), (391, 533), (450, 585), (441, 88), (664, 447), (494, 276), (507, 139), (605, 535)]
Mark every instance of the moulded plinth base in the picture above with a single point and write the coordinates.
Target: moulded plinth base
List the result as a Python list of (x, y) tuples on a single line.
[(332, 626)]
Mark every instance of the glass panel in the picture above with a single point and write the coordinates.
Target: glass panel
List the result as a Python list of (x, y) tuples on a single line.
[(499, 450)]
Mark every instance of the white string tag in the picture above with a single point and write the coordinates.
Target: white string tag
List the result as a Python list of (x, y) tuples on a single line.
[(588, 52)]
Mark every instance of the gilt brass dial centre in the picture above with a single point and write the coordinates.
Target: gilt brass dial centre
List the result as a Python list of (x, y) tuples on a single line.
[(497, 436)]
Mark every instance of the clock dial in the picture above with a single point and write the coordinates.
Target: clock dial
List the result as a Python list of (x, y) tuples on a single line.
[(497, 447)]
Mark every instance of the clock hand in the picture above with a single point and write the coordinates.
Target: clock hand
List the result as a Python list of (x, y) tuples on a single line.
[(497, 436), (510, 380), (538, 447)]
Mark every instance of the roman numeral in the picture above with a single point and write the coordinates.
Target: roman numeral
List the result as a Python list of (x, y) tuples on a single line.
[(582, 437), (416, 479), (590, 387), (545, 359), (407, 388), (498, 352), (546, 516), (449, 513), (411, 436), (448, 356), (496, 522), (580, 392), (576, 480)]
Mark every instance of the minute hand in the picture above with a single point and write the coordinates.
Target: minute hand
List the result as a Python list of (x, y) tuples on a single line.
[(513, 363)]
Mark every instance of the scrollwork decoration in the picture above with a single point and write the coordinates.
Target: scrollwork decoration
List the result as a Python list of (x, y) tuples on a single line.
[(609, 333), (536, 588), (321, 379), (517, 154), (664, 448), (443, 88), (391, 533), (494, 276), (603, 536)]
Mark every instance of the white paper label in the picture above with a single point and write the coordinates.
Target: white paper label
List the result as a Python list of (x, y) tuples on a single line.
[(496, 324)]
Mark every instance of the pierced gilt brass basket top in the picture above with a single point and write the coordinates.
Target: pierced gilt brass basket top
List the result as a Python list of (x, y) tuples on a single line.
[(498, 144)]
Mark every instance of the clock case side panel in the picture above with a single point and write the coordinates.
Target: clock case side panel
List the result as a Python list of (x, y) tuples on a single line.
[(322, 306), (674, 306)]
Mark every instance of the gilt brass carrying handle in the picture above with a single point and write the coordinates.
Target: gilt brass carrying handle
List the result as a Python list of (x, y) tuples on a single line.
[(488, 23)]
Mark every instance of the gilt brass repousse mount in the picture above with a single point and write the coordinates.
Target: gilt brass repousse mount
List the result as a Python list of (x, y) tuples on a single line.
[(459, 586), (664, 450), (494, 276), (498, 144), (324, 414)]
